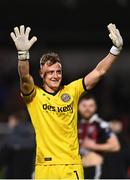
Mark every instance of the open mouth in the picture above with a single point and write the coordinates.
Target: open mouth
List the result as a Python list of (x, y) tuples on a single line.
[(55, 81)]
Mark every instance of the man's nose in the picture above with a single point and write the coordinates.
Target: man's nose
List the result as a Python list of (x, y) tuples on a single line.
[(55, 75)]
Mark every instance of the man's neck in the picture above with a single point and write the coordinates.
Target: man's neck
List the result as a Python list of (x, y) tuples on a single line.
[(50, 90), (93, 117)]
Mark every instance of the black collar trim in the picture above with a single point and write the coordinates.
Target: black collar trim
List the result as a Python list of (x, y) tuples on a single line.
[(53, 94)]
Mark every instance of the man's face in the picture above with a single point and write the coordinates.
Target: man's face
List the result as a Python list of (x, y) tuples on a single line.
[(12, 122), (87, 108), (52, 75)]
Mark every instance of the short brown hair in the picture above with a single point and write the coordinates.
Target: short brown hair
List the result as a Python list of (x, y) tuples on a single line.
[(50, 59)]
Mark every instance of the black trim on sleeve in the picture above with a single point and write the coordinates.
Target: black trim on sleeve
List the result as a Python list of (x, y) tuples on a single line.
[(84, 84), (28, 93)]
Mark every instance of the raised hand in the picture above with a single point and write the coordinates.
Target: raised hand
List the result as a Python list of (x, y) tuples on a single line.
[(115, 36), (20, 37)]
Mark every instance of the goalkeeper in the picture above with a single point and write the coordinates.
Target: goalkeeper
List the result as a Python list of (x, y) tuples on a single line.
[(53, 109)]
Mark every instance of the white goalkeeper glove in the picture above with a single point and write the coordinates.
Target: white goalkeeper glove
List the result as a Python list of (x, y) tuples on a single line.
[(23, 44), (116, 39)]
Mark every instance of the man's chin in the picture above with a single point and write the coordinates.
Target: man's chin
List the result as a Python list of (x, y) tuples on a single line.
[(87, 117), (55, 87)]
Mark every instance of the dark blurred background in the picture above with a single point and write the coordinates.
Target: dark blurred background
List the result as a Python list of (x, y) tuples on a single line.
[(77, 30)]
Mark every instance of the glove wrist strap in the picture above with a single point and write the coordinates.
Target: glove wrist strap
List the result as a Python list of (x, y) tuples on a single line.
[(23, 55), (115, 51)]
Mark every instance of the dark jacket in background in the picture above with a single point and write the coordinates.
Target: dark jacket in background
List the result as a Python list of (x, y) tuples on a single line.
[(116, 163), (17, 153)]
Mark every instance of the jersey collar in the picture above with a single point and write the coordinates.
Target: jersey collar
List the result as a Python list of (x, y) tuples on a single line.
[(53, 94), (92, 119)]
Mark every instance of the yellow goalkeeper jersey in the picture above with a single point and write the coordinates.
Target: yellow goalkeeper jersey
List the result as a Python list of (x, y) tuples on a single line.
[(54, 117)]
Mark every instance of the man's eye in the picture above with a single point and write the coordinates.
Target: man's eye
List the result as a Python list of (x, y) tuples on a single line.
[(59, 72), (50, 72)]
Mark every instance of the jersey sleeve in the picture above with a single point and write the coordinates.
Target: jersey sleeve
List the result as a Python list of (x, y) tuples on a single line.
[(77, 87), (29, 97), (105, 130)]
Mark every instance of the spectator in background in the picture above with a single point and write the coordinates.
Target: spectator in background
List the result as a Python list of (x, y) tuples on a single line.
[(95, 138), (17, 150), (116, 164)]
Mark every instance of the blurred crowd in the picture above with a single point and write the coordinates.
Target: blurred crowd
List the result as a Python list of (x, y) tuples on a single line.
[(17, 147)]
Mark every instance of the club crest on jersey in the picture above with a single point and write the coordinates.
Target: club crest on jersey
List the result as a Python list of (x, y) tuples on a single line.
[(65, 97)]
